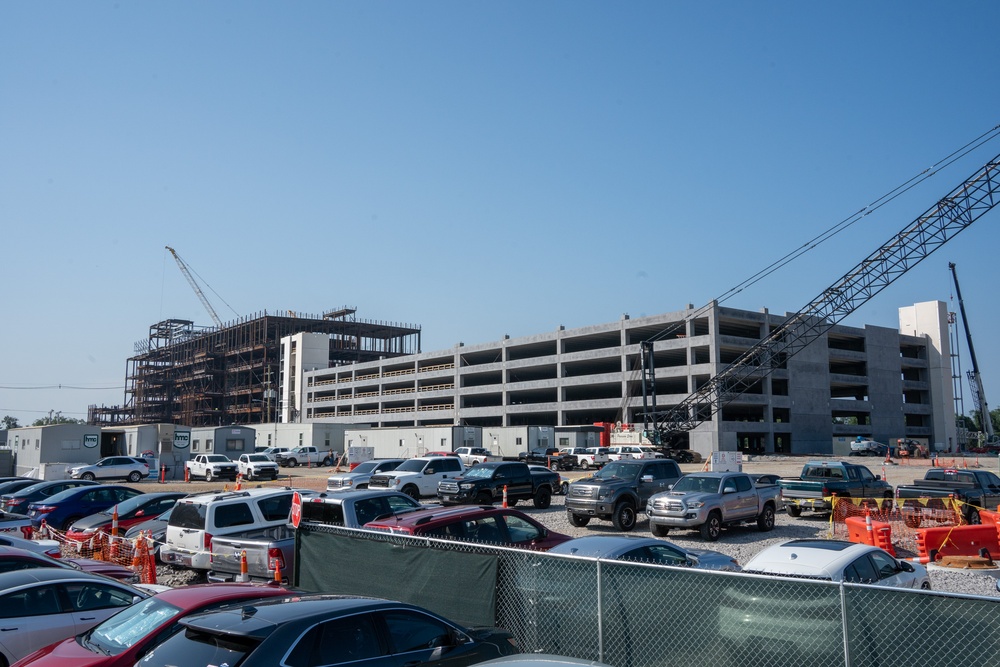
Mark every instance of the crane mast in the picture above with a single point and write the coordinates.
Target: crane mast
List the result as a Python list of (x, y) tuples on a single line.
[(194, 286), (975, 380), (935, 227)]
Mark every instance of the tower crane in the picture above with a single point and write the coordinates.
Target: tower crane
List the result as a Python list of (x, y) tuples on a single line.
[(935, 227), (194, 286), (975, 381)]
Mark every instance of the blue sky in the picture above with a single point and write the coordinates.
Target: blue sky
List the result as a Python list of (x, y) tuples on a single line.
[(478, 169)]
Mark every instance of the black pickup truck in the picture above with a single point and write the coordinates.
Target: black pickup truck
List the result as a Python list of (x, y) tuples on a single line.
[(484, 484), (976, 489), (547, 457)]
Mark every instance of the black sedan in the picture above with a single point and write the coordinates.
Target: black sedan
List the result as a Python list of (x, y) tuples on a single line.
[(317, 630)]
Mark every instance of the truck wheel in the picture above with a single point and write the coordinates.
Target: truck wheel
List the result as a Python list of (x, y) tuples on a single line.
[(793, 510), (208, 475), (291, 463), (658, 530), (711, 529), (412, 491), (624, 517), (564, 488), (765, 520), (543, 498), (577, 520), (485, 498), (327, 461), (973, 518), (134, 476), (585, 464)]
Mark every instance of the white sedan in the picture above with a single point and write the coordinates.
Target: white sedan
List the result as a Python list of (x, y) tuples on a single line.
[(838, 560)]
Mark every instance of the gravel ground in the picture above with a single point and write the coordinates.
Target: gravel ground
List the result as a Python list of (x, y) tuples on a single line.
[(741, 542)]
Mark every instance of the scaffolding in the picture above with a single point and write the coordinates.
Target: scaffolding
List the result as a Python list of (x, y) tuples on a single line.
[(211, 376)]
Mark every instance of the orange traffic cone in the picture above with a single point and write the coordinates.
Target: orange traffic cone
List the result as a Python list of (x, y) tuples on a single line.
[(244, 570), (239, 483)]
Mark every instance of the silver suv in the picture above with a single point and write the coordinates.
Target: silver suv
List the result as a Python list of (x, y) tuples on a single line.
[(113, 467)]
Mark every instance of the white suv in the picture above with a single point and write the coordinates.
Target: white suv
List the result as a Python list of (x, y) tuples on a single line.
[(196, 519), (112, 467)]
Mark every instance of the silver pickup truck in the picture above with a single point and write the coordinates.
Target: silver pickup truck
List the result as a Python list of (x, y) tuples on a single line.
[(710, 500), (272, 549)]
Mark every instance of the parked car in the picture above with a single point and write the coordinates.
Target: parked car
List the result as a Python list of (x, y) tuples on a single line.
[(47, 547), (13, 558), (838, 560), (618, 491), (63, 509), (45, 605), (211, 467), (496, 481), (155, 529), (16, 484), (540, 660), (18, 501), (707, 501), (125, 637), (272, 452), (821, 480), (273, 548), (592, 457), (973, 489), (359, 476), (131, 512), (419, 476), (195, 520), (113, 467), (256, 466), (325, 629), (563, 486), (490, 525), (645, 550)]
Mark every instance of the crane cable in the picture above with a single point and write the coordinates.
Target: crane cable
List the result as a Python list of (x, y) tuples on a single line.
[(819, 239)]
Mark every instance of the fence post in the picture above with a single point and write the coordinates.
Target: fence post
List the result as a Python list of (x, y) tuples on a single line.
[(600, 613)]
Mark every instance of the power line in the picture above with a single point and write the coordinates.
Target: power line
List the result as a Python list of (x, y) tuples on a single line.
[(62, 386)]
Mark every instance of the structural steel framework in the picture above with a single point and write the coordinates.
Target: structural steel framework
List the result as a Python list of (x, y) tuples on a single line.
[(211, 376)]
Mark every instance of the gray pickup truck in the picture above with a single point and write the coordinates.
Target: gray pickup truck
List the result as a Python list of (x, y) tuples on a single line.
[(708, 501), (619, 490), (271, 549)]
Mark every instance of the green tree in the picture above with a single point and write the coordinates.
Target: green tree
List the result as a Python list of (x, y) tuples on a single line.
[(9, 422), (56, 418)]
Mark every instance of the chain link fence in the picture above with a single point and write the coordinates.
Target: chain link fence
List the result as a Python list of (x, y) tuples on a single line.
[(645, 615)]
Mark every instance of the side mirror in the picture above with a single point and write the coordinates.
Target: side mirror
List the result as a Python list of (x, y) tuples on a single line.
[(429, 471), (906, 567), (729, 489), (648, 479), (139, 513)]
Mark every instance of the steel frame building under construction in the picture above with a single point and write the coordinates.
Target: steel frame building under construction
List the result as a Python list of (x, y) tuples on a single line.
[(210, 376)]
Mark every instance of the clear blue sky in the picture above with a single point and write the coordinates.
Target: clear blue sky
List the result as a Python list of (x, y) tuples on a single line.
[(479, 169)]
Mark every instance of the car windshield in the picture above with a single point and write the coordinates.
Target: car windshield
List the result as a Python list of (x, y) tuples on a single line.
[(260, 458), (411, 465), (128, 626), (478, 472), (619, 469), (696, 484), (366, 467)]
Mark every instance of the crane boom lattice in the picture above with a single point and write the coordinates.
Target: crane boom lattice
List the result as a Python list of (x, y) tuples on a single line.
[(938, 225), (194, 286)]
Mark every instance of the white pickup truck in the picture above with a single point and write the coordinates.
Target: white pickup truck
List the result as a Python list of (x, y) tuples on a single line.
[(420, 476), (211, 466), (474, 455), (305, 456)]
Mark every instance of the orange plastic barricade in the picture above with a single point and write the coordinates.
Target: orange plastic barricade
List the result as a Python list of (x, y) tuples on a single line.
[(933, 543)]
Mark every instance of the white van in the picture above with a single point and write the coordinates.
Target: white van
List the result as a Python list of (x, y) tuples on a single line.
[(196, 519)]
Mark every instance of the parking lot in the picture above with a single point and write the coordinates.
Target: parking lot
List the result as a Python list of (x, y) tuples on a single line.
[(741, 542)]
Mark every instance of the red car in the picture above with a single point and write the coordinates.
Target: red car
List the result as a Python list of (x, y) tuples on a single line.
[(130, 513), (490, 525), (125, 637)]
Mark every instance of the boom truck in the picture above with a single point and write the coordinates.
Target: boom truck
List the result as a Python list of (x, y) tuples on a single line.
[(955, 212), (975, 380)]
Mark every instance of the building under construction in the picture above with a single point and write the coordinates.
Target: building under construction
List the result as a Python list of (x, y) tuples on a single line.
[(209, 376)]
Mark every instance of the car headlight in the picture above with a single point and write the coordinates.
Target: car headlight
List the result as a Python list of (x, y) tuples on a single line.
[(395, 481), (466, 487), (348, 482), (695, 504), (604, 493)]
